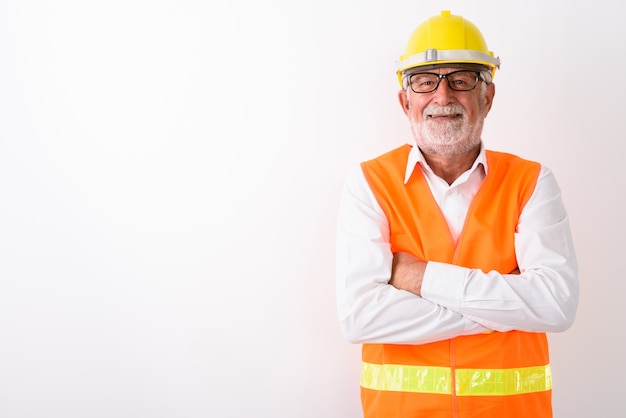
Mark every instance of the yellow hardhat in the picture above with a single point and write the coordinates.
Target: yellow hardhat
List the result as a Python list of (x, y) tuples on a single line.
[(446, 39)]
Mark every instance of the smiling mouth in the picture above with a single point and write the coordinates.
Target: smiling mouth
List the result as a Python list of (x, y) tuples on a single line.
[(450, 116)]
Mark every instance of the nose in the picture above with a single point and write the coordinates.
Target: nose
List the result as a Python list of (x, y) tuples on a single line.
[(443, 94)]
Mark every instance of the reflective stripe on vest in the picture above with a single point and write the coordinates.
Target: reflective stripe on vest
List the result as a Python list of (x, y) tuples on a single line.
[(468, 382)]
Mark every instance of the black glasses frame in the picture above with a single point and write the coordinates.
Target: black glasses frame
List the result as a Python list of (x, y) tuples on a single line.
[(441, 76)]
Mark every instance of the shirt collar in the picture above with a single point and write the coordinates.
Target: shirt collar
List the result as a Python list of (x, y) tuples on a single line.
[(416, 156)]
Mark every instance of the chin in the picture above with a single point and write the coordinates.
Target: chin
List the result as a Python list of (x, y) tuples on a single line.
[(450, 150)]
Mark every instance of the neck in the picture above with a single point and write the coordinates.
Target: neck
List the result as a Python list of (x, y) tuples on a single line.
[(451, 167)]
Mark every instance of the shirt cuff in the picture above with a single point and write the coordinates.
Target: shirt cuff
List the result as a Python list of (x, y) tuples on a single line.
[(444, 284)]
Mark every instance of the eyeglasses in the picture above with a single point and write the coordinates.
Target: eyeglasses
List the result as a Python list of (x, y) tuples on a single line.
[(463, 80)]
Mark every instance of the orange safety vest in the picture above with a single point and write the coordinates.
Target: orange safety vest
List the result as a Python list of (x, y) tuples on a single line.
[(498, 374)]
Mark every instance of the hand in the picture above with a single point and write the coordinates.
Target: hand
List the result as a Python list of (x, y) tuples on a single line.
[(407, 273)]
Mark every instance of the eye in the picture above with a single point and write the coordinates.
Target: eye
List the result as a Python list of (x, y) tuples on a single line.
[(423, 82), (463, 80)]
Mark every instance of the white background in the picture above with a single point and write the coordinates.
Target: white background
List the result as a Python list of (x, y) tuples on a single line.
[(169, 179)]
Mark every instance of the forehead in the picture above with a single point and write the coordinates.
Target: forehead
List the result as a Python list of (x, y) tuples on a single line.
[(444, 68)]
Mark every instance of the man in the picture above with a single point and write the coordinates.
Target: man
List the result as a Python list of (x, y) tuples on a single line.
[(453, 261)]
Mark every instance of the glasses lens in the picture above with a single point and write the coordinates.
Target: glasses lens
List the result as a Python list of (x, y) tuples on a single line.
[(462, 80), (424, 82)]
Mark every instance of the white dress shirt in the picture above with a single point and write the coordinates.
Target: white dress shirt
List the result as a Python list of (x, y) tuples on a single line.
[(455, 300)]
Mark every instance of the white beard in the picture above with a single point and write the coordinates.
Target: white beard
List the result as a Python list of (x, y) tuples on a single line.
[(447, 137)]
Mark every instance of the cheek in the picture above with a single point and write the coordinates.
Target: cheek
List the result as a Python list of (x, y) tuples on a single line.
[(415, 111), (475, 108)]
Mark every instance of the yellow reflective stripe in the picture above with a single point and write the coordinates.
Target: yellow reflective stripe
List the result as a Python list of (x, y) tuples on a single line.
[(502, 382), (469, 382), (399, 378)]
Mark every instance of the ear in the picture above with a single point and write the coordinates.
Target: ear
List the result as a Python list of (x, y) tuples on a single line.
[(489, 95), (404, 101)]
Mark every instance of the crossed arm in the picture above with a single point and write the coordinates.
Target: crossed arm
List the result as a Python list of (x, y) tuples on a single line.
[(399, 299), (407, 273)]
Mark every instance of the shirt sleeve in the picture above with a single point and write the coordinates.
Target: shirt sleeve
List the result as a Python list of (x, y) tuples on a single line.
[(370, 310), (543, 297)]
